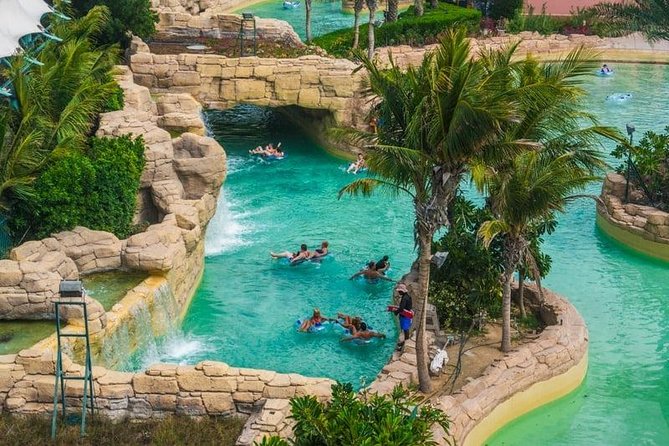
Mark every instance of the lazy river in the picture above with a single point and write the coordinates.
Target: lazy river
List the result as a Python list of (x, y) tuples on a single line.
[(244, 311)]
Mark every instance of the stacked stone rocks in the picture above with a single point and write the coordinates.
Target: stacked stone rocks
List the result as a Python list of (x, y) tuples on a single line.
[(645, 221)]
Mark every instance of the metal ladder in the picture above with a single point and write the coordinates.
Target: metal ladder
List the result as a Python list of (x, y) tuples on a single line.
[(87, 377), (247, 18)]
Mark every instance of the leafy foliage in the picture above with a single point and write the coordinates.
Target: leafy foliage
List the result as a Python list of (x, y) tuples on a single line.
[(650, 17), (541, 23), (504, 8), (56, 104), (127, 17), (468, 281), (349, 420), (408, 29), (96, 189), (651, 158)]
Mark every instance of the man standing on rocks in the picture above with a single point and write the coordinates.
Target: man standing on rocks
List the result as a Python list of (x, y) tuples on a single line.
[(404, 313)]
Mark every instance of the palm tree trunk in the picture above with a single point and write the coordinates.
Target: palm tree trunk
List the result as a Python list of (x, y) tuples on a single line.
[(418, 6), (424, 258), (370, 34), (506, 309), (307, 8), (521, 292), (356, 27), (393, 6)]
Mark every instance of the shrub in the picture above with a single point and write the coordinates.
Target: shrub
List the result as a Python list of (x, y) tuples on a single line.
[(651, 159), (408, 29), (96, 189), (543, 23), (348, 420), (504, 8), (127, 17), (115, 101)]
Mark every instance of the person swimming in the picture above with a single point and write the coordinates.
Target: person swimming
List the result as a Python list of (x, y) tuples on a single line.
[(383, 265), (370, 273), (321, 252), (364, 334), (357, 165), (315, 320), (605, 69), (268, 150), (302, 254), (350, 323)]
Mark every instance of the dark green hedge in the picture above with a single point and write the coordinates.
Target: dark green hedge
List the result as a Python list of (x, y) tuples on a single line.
[(96, 189), (409, 29)]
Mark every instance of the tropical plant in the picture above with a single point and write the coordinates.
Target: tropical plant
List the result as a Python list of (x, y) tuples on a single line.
[(371, 5), (650, 17), (651, 165), (358, 6), (507, 9), (436, 119), (398, 419), (538, 185), (127, 18), (393, 11), (307, 11)]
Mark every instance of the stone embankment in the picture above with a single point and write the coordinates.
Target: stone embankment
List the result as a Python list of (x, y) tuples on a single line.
[(644, 228), (312, 82), (193, 19)]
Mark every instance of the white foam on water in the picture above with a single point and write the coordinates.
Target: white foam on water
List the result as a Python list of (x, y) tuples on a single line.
[(176, 348), (228, 228)]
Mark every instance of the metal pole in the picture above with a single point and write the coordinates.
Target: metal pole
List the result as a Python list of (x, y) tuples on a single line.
[(629, 164)]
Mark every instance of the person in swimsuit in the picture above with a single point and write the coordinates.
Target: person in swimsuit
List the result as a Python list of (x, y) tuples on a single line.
[(351, 323), (321, 252), (370, 273), (605, 69), (383, 265), (293, 257), (404, 313), (364, 333), (356, 165), (315, 320)]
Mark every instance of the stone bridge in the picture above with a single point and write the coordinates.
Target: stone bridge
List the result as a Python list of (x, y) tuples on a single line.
[(311, 82)]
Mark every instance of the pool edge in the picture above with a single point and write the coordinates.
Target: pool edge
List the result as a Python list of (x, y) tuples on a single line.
[(521, 403), (632, 241)]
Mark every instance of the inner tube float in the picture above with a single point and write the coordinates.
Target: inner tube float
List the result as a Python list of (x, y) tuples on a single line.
[(290, 4), (272, 157), (317, 328), (287, 261), (619, 97), (603, 73)]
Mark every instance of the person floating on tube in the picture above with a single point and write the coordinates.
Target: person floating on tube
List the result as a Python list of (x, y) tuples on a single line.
[(403, 312)]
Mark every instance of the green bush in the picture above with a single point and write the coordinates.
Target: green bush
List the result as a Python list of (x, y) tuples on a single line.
[(126, 17), (408, 29), (505, 8), (96, 189), (115, 101), (543, 23), (349, 420)]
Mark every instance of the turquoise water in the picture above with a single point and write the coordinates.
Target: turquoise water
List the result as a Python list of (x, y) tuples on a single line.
[(624, 298), (326, 16), (245, 310)]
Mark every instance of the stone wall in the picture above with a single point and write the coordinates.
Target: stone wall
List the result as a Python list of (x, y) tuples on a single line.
[(641, 227), (312, 82), (180, 26)]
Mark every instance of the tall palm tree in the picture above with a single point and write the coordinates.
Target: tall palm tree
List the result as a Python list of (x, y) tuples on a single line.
[(650, 17), (565, 138), (307, 10), (371, 5), (538, 185), (358, 6), (392, 12), (436, 118)]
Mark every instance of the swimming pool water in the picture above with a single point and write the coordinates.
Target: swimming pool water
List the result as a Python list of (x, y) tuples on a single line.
[(244, 312), (326, 15), (245, 309), (624, 298)]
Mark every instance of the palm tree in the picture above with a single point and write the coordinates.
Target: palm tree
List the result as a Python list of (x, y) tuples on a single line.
[(554, 123), (393, 7), (650, 17), (436, 118), (538, 185), (371, 5), (307, 9), (358, 5)]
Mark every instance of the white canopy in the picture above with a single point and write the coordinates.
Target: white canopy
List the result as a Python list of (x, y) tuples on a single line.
[(19, 18)]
